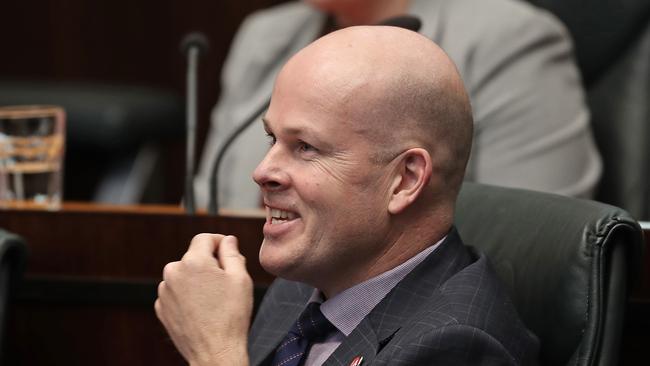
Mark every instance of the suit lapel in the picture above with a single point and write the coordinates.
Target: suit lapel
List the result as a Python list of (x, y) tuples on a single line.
[(288, 299), (361, 342), (402, 305)]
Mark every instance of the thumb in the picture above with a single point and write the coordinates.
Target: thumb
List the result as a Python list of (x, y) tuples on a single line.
[(229, 256)]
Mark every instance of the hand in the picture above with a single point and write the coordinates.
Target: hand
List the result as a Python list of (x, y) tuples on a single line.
[(205, 302)]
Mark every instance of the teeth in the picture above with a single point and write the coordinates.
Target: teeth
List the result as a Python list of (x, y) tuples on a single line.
[(278, 215)]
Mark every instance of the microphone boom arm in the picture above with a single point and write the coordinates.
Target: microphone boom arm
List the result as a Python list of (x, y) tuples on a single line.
[(213, 205)]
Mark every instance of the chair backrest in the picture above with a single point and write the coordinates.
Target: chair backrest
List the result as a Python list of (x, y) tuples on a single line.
[(12, 263), (620, 109), (566, 262)]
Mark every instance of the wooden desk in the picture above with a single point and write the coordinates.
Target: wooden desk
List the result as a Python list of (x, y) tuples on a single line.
[(91, 280), (88, 295)]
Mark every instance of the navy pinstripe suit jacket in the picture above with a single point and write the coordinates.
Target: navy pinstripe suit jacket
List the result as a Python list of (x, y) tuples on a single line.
[(450, 310)]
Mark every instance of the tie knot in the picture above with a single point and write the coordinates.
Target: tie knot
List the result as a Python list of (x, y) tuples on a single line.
[(312, 324)]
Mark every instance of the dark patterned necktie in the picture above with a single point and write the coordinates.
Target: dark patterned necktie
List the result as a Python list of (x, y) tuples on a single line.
[(311, 326)]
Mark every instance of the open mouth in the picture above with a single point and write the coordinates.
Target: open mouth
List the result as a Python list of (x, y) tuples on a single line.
[(277, 216)]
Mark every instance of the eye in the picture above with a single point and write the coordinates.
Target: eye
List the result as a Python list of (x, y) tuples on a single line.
[(304, 147), (271, 138)]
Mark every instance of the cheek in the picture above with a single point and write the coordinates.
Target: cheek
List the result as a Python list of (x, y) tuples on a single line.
[(336, 171), (322, 187)]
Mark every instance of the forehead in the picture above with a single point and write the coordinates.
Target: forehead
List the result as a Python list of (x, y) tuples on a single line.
[(321, 98), (310, 125), (303, 106)]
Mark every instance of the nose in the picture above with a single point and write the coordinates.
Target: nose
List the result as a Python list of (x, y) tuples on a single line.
[(271, 174)]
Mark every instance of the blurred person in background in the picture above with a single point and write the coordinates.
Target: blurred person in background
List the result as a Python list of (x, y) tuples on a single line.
[(531, 121)]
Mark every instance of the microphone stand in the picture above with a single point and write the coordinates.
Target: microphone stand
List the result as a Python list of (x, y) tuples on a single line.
[(193, 44), (213, 205)]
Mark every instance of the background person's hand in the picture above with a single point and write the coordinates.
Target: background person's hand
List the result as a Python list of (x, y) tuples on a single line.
[(205, 301)]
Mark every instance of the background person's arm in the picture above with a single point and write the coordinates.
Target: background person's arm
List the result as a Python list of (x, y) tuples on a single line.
[(532, 123)]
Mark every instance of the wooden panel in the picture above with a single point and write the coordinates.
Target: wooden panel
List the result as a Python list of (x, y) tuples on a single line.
[(91, 280), (98, 241), (78, 334)]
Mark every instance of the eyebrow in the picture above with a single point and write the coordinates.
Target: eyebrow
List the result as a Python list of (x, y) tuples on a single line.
[(287, 130), (294, 131)]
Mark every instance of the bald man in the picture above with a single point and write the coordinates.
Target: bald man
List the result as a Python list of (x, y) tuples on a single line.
[(370, 131)]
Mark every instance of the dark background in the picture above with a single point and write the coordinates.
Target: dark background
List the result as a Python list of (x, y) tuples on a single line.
[(122, 42)]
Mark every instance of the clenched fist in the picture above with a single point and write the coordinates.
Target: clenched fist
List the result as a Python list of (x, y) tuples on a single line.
[(205, 302)]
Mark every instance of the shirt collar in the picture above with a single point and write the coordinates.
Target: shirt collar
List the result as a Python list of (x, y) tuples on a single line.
[(348, 308)]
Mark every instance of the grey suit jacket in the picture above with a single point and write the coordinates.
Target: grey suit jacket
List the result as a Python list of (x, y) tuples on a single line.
[(450, 310), (531, 123)]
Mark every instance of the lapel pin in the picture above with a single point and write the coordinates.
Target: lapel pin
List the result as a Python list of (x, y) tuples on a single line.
[(356, 361)]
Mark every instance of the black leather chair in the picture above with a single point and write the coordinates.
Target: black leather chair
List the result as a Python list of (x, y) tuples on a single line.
[(12, 264), (567, 262)]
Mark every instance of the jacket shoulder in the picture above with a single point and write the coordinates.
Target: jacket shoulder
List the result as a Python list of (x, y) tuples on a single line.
[(469, 320)]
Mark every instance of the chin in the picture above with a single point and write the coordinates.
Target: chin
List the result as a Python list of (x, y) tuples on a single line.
[(275, 263), (285, 268)]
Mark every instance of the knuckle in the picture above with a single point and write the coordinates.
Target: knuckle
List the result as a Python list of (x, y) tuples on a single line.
[(237, 257), (192, 262), (161, 288), (169, 270), (242, 258), (243, 279), (205, 236), (200, 237), (157, 306)]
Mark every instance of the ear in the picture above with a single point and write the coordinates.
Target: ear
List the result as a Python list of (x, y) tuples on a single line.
[(411, 178)]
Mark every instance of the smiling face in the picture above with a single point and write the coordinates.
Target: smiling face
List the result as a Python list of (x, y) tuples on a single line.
[(370, 130), (325, 197)]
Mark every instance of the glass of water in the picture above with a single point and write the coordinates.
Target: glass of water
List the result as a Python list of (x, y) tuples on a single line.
[(32, 145)]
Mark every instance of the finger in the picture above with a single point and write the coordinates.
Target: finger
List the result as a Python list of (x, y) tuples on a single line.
[(169, 270), (203, 247), (158, 308), (162, 287), (229, 256)]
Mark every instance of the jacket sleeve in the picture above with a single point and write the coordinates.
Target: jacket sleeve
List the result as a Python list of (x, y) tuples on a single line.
[(531, 119)]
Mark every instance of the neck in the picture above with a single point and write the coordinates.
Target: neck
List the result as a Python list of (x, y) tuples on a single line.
[(397, 249)]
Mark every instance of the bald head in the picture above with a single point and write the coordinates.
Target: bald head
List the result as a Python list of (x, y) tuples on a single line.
[(370, 130), (394, 87)]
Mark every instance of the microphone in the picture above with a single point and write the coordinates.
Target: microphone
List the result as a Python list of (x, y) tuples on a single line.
[(192, 45), (403, 21)]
